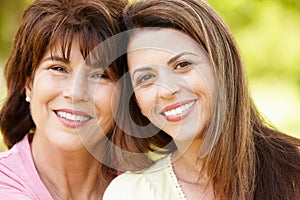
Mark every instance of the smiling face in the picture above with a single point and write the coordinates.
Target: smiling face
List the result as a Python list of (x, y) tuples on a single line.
[(173, 81), (70, 99)]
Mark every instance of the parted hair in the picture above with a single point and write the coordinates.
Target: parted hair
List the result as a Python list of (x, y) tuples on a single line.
[(44, 24), (243, 155)]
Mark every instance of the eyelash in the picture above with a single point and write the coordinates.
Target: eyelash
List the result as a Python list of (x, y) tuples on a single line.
[(141, 79), (186, 65), (100, 75), (58, 69), (181, 66)]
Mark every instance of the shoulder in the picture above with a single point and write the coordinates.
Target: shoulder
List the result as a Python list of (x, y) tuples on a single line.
[(11, 193), (10, 160), (130, 186), (14, 158), (11, 181), (18, 176), (144, 185)]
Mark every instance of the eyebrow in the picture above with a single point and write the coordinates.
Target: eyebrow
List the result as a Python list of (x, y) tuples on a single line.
[(55, 58), (179, 55)]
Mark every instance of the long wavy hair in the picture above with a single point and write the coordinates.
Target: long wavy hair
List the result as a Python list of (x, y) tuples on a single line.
[(44, 24), (243, 156)]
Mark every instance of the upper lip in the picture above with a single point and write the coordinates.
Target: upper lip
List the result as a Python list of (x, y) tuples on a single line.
[(175, 105)]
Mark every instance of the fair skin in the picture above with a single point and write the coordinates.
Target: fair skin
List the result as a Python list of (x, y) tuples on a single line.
[(176, 76), (69, 101)]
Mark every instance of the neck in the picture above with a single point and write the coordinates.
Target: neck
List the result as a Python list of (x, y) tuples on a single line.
[(68, 174), (186, 161), (187, 167)]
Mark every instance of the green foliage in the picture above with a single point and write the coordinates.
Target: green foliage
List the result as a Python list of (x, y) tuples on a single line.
[(268, 35), (10, 13)]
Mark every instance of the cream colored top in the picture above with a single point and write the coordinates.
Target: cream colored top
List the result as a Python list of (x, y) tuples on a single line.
[(158, 182)]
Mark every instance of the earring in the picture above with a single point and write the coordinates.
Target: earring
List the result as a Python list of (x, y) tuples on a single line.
[(27, 99)]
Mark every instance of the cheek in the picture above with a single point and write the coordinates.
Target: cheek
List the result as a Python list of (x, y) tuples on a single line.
[(207, 80), (105, 99), (44, 89), (146, 99), (43, 92), (202, 81)]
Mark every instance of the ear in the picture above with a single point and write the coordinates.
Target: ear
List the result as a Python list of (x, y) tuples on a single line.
[(28, 87)]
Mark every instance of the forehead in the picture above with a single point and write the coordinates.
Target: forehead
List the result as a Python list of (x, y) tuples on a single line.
[(159, 46), (164, 40)]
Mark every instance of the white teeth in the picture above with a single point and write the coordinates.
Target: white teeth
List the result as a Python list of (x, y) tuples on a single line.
[(179, 110), (69, 116)]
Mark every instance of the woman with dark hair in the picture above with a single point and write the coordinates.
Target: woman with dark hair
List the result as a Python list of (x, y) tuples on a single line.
[(62, 86), (189, 82)]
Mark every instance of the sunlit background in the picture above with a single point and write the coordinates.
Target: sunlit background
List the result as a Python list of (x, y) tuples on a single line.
[(268, 35)]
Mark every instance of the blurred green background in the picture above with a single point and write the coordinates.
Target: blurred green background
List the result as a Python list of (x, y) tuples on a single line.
[(268, 35)]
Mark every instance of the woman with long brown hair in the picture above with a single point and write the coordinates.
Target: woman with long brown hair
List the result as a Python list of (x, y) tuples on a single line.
[(191, 98), (62, 86)]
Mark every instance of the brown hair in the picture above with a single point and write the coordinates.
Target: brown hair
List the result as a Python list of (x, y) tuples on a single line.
[(244, 157), (43, 24)]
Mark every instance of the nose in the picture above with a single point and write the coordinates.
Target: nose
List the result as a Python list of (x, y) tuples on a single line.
[(168, 86), (76, 88)]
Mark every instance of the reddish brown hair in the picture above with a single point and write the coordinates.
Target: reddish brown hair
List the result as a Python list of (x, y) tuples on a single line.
[(45, 23)]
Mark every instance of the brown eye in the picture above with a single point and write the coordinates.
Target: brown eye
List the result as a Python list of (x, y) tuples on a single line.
[(58, 69), (182, 65)]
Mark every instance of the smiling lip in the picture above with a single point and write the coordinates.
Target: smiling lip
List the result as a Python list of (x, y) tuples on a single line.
[(71, 118), (178, 111)]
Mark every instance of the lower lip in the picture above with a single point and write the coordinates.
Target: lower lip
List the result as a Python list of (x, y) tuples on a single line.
[(181, 116), (70, 123)]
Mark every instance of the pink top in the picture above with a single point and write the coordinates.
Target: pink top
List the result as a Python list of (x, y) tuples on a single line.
[(19, 178)]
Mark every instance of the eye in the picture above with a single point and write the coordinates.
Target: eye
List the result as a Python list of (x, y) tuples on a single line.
[(146, 78), (182, 65), (57, 69), (99, 76)]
